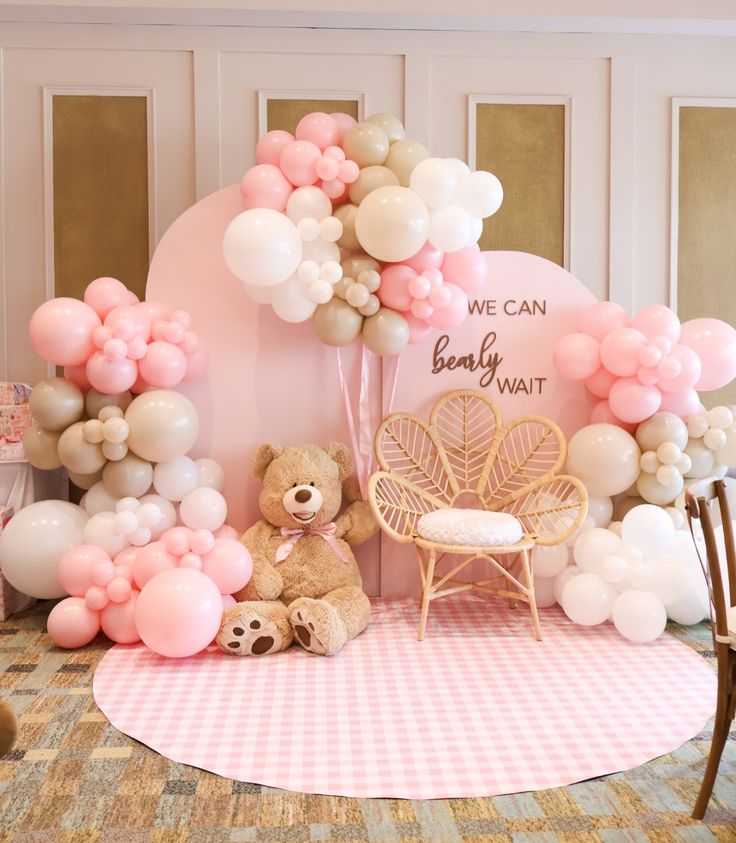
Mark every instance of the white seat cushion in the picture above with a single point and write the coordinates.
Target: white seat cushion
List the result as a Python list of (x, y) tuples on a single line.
[(474, 527)]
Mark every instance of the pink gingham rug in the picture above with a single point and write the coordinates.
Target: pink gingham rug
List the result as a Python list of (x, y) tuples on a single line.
[(477, 709)]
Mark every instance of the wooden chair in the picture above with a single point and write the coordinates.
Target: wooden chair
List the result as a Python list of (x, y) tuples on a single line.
[(466, 452), (699, 500)]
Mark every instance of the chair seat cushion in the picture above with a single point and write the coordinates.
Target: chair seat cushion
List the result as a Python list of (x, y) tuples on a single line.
[(473, 527)]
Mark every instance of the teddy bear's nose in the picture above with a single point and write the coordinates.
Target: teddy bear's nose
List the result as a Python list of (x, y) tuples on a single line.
[(302, 496)]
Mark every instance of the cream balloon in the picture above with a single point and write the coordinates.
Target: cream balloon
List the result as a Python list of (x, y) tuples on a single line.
[(403, 157), (41, 448), (391, 125), (658, 493), (702, 459), (366, 144), (99, 499), (605, 458), (203, 509), (434, 181), (549, 561), (370, 179), (262, 247), (100, 531), (210, 473), (94, 401), (129, 477), (726, 454), (392, 224), (163, 425), (176, 478), (386, 332), (78, 455), (56, 403), (337, 323), (661, 428), (600, 510), (168, 514), (308, 203), (290, 301)]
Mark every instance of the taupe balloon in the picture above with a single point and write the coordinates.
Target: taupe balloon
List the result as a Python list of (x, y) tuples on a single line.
[(366, 144), (403, 156), (129, 477), (95, 401), (76, 454), (346, 215), (41, 448), (85, 481), (337, 323), (163, 425), (625, 504), (386, 332), (56, 403), (661, 428), (371, 178), (353, 266), (390, 124)]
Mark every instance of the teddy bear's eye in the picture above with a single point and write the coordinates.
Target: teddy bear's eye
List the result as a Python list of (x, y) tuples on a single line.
[(312, 483)]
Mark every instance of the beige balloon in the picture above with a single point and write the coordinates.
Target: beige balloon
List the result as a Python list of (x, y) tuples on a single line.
[(56, 403), (85, 481), (370, 179), (386, 332), (354, 265), (129, 477), (605, 458), (366, 144), (78, 455), (661, 428), (653, 492), (95, 401), (403, 156), (163, 425), (337, 323), (346, 215), (41, 447), (392, 223), (391, 125)]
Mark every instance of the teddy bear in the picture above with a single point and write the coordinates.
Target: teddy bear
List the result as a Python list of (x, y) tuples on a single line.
[(8, 727), (306, 585)]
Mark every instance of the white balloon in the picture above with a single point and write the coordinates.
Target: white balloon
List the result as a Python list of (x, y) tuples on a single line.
[(588, 599), (174, 479), (592, 548), (98, 499), (587, 525), (720, 417), (100, 531), (291, 301), (149, 514), (210, 474), (203, 509), (434, 180), (687, 611), (600, 510), (548, 561), (460, 167), (562, 578), (479, 193), (262, 247), (639, 616), (476, 229), (449, 228), (168, 514), (544, 592), (614, 568), (669, 578), (33, 542), (649, 528), (321, 251), (308, 202), (726, 454)]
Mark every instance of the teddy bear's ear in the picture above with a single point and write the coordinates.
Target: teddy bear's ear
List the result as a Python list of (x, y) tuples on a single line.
[(342, 457), (263, 457)]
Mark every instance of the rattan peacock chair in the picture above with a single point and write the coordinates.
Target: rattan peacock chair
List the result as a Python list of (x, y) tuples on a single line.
[(467, 451)]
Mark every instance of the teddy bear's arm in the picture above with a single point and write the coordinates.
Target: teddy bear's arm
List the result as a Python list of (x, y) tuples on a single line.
[(266, 582), (357, 523)]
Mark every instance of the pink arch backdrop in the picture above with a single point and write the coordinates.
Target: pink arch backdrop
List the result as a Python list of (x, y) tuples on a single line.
[(273, 381)]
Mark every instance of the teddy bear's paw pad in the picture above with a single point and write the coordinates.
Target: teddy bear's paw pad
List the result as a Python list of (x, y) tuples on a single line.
[(251, 636), (306, 634)]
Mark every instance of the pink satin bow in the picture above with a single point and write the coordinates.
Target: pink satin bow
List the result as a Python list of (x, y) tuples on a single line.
[(326, 531)]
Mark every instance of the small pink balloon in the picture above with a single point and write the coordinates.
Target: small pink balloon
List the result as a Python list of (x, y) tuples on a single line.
[(103, 294), (344, 122), (132, 298), (669, 368), (151, 560), (198, 360), (600, 383), (271, 145), (298, 162), (183, 318), (689, 372), (226, 532), (119, 590), (440, 297), (178, 613), (466, 267), (101, 335), (601, 318), (427, 258), (103, 572), (137, 348), (125, 559), (61, 331), (96, 598), (174, 332), (419, 287), (418, 328), (228, 565), (265, 186), (72, 623), (421, 308), (577, 356), (318, 128), (647, 376), (118, 621), (348, 172), (714, 341), (76, 566), (394, 290), (115, 349), (657, 320), (227, 601), (633, 402), (191, 560), (164, 365), (650, 356), (124, 571), (620, 350), (154, 310), (328, 168), (333, 188), (202, 541), (683, 404), (111, 376), (135, 316), (78, 376), (454, 314), (177, 540), (662, 343), (601, 414)]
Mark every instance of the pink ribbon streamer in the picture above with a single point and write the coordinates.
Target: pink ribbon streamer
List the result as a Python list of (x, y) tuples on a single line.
[(326, 531)]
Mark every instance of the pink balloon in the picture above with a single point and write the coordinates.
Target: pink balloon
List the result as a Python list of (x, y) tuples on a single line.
[(657, 321), (298, 162), (318, 128), (130, 320), (103, 294), (271, 145), (602, 317), (601, 414), (118, 621), (141, 385), (466, 267), (228, 565), (177, 540), (72, 624), (78, 376), (126, 558), (154, 311), (394, 289), (620, 350), (198, 360), (426, 258), (632, 401), (714, 341), (111, 376), (61, 331), (683, 404), (151, 560), (265, 186), (164, 365), (577, 356), (76, 567), (344, 122), (226, 532), (600, 383), (227, 601), (454, 314), (690, 370), (178, 613)]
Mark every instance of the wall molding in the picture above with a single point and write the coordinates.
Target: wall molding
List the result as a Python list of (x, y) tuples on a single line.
[(264, 95)]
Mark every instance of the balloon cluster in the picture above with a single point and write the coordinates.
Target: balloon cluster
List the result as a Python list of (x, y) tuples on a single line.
[(356, 227), (637, 367)]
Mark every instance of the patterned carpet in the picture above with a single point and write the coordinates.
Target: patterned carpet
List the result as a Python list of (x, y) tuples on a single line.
[(73, 778)]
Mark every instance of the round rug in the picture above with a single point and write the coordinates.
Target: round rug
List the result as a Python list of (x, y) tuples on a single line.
[(479, 708)]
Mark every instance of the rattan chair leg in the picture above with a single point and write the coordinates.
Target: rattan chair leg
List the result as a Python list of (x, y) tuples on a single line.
[(527, 569), (427, 594)]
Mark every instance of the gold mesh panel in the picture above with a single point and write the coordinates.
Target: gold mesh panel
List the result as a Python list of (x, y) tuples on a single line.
[(706, 253), (285, 114), (100, 154), (524, 145)]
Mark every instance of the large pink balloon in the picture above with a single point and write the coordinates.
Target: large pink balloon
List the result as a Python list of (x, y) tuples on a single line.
[(602, 317), (265, 186), (271, 145), (657, 321), (178, 612), (633, 402), (600, 382), (690, 370), (319, 128), (154, 311), (130, 320), (111, 377), (118, 621), (683, 404), (228, 565), (426, 258), (454, 314), (61, 331), (466, 267), (76, 565), (714, 341), (298, 162), (620, 351), (344, 122), (104, 294), (577, 356), (394, 289), (164, 365), (602, 414), (72, 624), (151, 560)]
